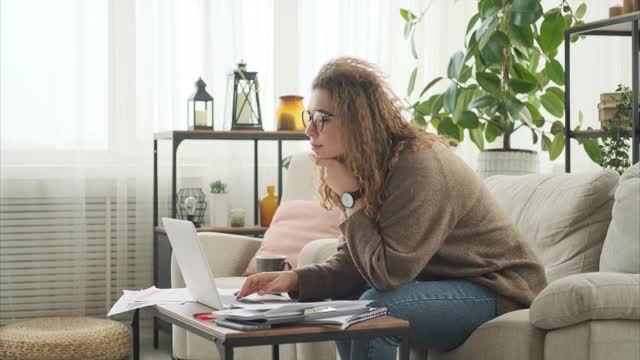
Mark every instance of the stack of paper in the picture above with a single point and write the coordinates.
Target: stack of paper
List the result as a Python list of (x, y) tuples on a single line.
[(152, 296), (294, 311)]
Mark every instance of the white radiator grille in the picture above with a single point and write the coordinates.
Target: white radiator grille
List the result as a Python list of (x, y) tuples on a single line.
[(65, 256)]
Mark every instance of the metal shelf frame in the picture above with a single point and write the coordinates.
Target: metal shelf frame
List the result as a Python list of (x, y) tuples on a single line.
[(624, 25)]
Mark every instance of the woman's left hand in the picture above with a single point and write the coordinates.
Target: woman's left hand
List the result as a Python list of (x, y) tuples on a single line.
[(339, 178)]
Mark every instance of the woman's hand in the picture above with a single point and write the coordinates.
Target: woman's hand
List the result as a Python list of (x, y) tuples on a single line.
[(269, 282), (339, 178)]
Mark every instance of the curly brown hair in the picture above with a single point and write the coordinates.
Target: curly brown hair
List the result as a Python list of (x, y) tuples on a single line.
[(369, 112)]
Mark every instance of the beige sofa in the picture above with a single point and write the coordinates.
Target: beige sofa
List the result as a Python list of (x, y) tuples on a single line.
[(582, 314)]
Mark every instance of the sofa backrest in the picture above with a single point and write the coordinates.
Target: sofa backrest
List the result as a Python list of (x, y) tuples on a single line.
[(565, 217), (302, 178)]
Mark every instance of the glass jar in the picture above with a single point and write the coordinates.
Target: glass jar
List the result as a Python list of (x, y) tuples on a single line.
[(289, 114), (237, 217)]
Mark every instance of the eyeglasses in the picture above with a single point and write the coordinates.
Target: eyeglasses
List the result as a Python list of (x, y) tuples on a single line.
[(316, 119)]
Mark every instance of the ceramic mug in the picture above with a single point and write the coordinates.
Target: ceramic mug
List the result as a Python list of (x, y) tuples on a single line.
[(266, 263)]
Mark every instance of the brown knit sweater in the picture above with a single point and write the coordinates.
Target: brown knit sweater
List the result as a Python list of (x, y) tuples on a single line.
[(438, 221)]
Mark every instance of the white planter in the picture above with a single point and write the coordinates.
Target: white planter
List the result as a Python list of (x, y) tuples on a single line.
[(218, 206), (507, 162)]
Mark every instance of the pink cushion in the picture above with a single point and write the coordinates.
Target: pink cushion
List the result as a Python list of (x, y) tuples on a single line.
[(296, 223)]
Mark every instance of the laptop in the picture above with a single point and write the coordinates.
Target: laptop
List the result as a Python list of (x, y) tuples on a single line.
[(194, 265)]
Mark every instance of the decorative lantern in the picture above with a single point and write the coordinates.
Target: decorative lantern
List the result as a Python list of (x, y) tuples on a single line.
[(200, 108), (191, 205), (242, 91)]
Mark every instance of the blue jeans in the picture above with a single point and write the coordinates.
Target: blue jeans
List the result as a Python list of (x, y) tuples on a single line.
[(441, 315)]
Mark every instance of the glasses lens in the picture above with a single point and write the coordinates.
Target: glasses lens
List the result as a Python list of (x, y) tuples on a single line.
[(318, 121), (306, 118)]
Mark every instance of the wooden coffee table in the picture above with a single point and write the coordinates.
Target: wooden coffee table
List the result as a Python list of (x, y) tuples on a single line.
[(227, 339)]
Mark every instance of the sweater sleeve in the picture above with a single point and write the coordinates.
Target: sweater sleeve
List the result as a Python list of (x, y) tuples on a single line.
[(417, 215), (337, 277)]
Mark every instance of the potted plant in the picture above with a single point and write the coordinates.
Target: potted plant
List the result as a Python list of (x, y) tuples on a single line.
[(499, 84), (218, 204), (615, 146)]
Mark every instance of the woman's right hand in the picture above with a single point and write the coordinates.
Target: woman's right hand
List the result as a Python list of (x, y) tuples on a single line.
[(269, 282)]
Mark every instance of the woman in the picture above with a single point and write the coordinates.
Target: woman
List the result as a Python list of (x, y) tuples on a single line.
[(421, 231)]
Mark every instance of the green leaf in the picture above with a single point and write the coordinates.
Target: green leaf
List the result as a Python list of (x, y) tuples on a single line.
[(568, 20), (472, 22), (469, 120), (465, 74), (472, 47), (556, 146), (436, 106), (476, 136), (407, 29), (405, 14), (430, 84), (449, 129), (536, 117), (412, 81), (580, 117), (522, 35), (514, 106), (414, 52), (556, 127), (449, 98), (551, 32), (557, 92), (464, 98), (486, 29), (593, 149), (525, 12), (522, 73), (491, 133), (455, 65), (492, 51), (488, 81), (555, 71), (521, 86), (534, 136), (582, 9), (552, 104), (424, 108), (482, 101), (545, 145), (419, 119), (525, 116)]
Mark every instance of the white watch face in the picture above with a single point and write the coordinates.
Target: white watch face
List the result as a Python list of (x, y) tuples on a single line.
[(347, 200)]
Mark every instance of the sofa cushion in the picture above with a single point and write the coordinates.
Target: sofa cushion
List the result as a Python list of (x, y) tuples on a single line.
[(594, 340), (564, 216), (296, 223), (591, 296), (621, 249), (509, 336)]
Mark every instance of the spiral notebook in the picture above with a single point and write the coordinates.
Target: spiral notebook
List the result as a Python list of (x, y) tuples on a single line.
[(344, 322)]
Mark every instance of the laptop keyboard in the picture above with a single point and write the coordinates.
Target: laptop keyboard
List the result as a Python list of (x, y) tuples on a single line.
[(231, 301)]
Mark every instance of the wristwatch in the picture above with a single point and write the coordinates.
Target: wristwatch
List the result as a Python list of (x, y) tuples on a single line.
[(348, 199)]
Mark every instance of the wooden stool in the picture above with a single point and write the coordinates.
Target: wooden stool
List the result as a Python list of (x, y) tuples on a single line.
[(64, 338)]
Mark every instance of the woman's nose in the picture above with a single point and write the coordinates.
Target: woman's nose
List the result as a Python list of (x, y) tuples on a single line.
[(309, 130)]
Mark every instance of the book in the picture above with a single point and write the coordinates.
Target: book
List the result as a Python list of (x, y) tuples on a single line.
[(344, 322)]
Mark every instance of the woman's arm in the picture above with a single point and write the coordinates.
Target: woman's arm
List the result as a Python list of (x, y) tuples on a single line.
[(423, 204), (335, 278)]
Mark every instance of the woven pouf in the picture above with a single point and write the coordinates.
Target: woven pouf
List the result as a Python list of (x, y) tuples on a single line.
[(64, 338)]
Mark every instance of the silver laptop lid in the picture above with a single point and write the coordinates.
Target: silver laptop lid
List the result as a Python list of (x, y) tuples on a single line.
[(193, 262)]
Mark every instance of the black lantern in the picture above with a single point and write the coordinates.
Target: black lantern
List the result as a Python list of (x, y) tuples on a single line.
[(245, 105), (200, 108), (191, 204)]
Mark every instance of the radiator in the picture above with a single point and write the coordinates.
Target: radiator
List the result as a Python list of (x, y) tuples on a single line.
[(64, 256)]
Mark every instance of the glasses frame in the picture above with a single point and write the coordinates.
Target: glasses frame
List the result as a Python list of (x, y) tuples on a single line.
[(312, 119)]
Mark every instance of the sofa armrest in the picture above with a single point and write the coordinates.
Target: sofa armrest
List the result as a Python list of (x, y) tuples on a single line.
[(228, 255), (588, 296), (317, 251)]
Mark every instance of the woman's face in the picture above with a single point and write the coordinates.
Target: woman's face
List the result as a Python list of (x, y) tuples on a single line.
[(328, 142)]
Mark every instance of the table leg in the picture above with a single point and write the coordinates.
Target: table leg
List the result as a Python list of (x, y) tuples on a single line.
[(135, 329), (275, 352), (155, 332), (226, 352), (404, 347)]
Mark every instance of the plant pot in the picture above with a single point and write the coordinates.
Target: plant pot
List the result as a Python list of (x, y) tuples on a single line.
[(507, 162), (218, 210), (608, 107)]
